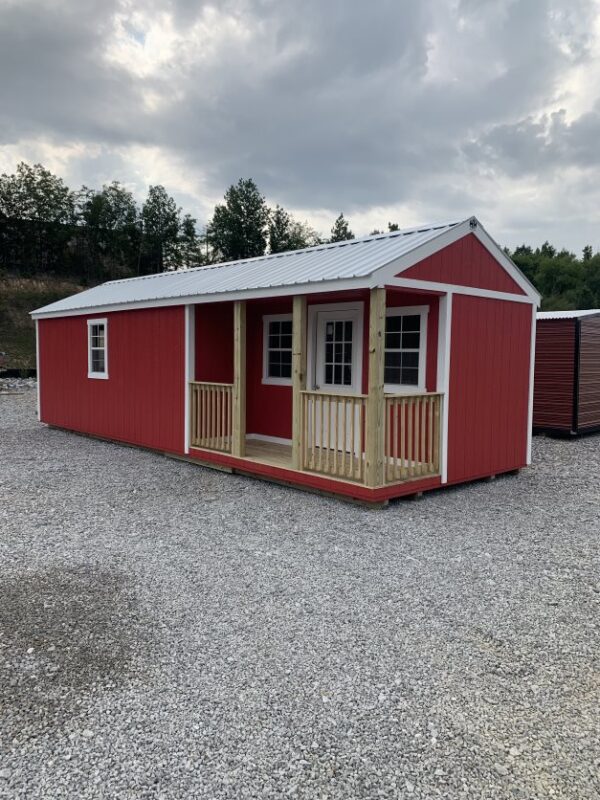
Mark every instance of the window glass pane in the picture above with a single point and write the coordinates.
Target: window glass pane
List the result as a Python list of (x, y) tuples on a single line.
[(393, 324), (338, 351), (410, 341), (348, 353), (393, 359), (329, 332), (410, 377), (347, 375), (273, 341), (339, 330), (348, 330), (286, 356), (286, 327), (391, 375), (274, 328), (337, 374), (286, 370), (286, 342), (97, 360), (329, 352), (410, 360), (392, 340), (411, 323), (328, 373)]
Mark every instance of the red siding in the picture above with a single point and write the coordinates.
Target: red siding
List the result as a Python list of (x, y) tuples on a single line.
[(466, 263), (489, 387), (589, 374), (214, 342), (142, 402), (554, 374)]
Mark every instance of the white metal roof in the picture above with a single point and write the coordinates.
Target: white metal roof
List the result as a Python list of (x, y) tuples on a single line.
[(567, 314), (325, 267)]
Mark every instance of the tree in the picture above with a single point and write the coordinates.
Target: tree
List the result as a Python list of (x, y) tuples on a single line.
[(160, 218), (112, 229), (190, 247), (393, 226), (285, 233), (238, 228), (587, 252), (341, 231)]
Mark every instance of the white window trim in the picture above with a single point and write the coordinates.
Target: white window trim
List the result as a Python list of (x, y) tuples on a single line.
[(97, 321), (266, 378), (401, 311)]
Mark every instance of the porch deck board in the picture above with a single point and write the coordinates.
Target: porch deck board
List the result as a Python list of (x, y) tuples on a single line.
[(274, 453)]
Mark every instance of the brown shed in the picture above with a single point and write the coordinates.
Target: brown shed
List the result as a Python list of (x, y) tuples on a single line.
[(567, 372)]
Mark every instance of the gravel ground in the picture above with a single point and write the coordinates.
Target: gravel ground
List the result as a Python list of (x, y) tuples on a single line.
[(168, 631)]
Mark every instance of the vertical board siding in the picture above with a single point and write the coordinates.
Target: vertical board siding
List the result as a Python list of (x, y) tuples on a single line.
[(554, 374), (142, 402), (489, 387), (214, 342), (589, 374), (465, 263)]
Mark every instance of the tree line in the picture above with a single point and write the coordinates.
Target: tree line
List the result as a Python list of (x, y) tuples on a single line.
[(93, 235)]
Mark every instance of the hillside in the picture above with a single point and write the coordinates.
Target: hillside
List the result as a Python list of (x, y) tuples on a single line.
[(18, 297)]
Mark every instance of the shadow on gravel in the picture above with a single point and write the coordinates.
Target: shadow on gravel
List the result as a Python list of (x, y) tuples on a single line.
[(64, 634)]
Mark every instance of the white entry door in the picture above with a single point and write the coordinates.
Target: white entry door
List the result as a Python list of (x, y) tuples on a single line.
[(336, 366)]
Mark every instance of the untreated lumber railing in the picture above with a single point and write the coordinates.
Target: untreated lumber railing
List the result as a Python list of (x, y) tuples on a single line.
[(412, 436), (333, 434), (211, 407)]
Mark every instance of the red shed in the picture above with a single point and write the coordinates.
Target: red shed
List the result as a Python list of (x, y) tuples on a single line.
[(567, 372), (371, 368)]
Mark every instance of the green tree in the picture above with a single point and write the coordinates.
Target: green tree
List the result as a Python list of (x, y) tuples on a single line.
[(285, 233), (587, 252), (190, 245), (160, 219), (112, 230), (239, 227), (341, 231), (393, 226)]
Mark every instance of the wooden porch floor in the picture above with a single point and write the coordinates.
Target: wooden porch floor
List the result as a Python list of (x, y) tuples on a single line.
[(278, 455)]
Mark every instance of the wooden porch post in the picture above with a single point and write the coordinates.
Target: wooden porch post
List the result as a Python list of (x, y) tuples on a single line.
[(375, 428), (238, 447), (298, 377)]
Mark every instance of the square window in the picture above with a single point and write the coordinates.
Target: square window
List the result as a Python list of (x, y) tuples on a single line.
[(403, 344)]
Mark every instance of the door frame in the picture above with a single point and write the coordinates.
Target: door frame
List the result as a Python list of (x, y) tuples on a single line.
[(357, 344)]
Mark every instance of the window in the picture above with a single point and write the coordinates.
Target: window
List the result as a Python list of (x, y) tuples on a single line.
[(277, 355), (405, 341), (97, 356)]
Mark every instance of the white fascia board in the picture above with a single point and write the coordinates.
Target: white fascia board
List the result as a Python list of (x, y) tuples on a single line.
[(247, 294)]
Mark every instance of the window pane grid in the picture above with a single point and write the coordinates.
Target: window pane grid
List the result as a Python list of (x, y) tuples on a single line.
[(402, 349), (97, 348), (279, 349), (338, 352)]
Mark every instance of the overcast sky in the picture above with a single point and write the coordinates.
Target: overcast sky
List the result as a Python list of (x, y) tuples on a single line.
[(413, 111)]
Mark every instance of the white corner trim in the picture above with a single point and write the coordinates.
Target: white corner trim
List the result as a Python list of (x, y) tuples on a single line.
[(443, 375), (91, 374), (423, 312), (189, 369), (266, 379), (262, 437), (531, 385), (38, 370)]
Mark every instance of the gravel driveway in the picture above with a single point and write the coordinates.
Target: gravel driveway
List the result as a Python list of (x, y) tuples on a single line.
[(167, 631)]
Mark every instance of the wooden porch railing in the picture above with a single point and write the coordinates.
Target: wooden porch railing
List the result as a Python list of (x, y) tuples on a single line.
[(333, 434), (211, 408), (412, 436)]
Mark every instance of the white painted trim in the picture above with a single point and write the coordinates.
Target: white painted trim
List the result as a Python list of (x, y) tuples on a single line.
[(262, 437), (423, 312), (38, 370), (189, 369), (313, 310), (266, 379), (443, 375), (429, 286), (531, 385), (91, 374)]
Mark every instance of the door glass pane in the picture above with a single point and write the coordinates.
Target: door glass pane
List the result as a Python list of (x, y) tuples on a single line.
[(338, 352)]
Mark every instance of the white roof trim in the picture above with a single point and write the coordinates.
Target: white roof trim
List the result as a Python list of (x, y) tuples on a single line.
[(591, 312)]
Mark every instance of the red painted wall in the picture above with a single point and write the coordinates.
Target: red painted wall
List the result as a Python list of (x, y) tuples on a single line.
[(142, 402), (489, 387), (214, 342), (467, 263)]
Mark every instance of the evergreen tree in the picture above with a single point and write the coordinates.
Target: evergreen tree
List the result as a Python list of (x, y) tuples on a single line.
[(160, 218), (285, 233), (190, 246), (341, 231), (239, 227)]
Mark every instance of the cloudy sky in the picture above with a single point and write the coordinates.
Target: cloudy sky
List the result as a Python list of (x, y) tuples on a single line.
[(406, 110)]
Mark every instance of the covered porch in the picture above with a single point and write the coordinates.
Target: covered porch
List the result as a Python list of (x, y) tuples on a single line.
[(344, 421)]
